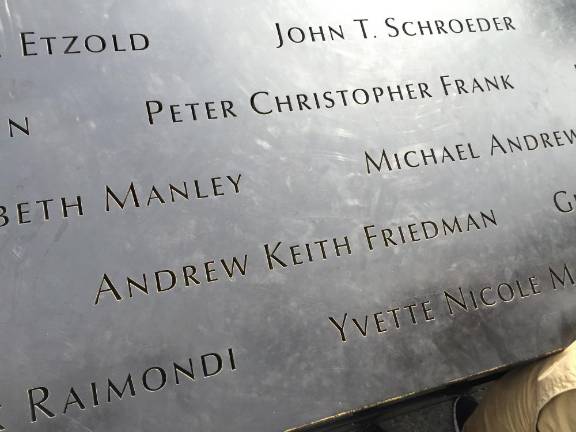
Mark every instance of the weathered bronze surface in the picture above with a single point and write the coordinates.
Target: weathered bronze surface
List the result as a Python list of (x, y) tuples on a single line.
[(222, 216)]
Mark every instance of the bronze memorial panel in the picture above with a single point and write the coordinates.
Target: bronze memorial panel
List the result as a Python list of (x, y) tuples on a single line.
[(223, 216)]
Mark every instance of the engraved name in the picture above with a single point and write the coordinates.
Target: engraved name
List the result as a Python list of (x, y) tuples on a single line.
[(164, 280), (45, 403), (397, 235), (451, 303), (18, 127), (386, 161), (280, 255), (44, 210), (265, 103), (565, 202), (392, 28), (142, 197), (381, 322), (177, 113), (120, 199), (32, 44), (531, 142)]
